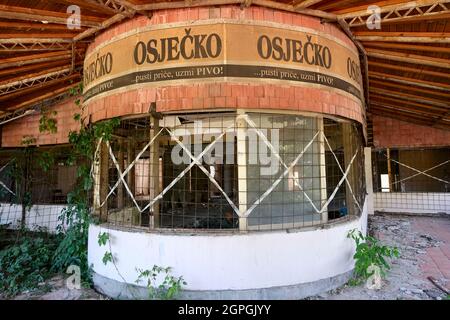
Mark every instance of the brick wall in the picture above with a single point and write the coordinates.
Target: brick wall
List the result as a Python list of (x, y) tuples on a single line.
[(13, 132), (388, 132)]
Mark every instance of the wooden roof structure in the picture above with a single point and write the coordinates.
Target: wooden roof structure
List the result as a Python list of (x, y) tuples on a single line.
[(406, 63)]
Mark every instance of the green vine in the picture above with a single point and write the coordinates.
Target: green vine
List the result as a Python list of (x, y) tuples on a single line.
[(77, 215)]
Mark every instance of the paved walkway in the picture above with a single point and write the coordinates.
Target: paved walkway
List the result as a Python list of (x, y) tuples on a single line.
[(436, 259)]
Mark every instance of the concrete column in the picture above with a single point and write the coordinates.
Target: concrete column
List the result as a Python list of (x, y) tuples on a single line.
[(154, 172), (369, 183)]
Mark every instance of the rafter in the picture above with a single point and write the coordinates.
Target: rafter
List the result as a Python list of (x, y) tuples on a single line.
[(409, 58), (303, 4), (24, 91), (28, 81), (101, 6), (430, 103), (41, 99), (407, 46), (413, 81), (420, 37), (29, 14), (424, 113), (105, 24), (398, 12), (409, 69), (34, 58), (401, 101), (383, 84)]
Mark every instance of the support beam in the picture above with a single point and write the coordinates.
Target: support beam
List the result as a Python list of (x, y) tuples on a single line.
[(105, 24), (422, 37), (27, 81), (400, 101), (303, 4), (408, 58), (34, 58), (409, 69), (263, 3), (406, 46), (427, 113), (36, 88), (396, 87), (401, 115), (43, 98), (44, 35), (109, 7), (433, 103), (33, 26), (405, 11), (413, 81), (29, 14)]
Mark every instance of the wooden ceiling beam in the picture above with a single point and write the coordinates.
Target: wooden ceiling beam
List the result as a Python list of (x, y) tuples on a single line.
[(419, 37), (430, 103), (423, 113), (105, 24), (383, 84), (408, 58), (393, 11), (30, 14), (108, 7), (29, 80), (413, 81), (33, 26), (29, 90), (37, 66), (34, 58), (63, 90), (263, 3), (409, 69), (390, 113), (405, 46), (25, 35), (303, 4), (401, 101)]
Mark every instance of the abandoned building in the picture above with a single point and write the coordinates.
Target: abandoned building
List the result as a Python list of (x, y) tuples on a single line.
[(253, 135)]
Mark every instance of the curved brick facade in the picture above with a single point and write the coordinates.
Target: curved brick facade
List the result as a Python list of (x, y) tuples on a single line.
[(221, 94)]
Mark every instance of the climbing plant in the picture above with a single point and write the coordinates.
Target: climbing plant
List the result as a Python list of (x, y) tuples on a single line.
[(76, 217)]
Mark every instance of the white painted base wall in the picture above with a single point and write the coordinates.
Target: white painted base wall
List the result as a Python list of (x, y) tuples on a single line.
[(413, 202), (211, 261), (45, 216)]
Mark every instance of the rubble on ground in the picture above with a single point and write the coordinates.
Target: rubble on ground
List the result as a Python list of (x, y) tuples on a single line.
[(404, 280)]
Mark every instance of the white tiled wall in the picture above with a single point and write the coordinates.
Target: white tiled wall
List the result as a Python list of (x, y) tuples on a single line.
[(414, 202)]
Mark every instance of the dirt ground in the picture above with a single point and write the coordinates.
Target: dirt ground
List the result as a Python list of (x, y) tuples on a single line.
[(424, 244)]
